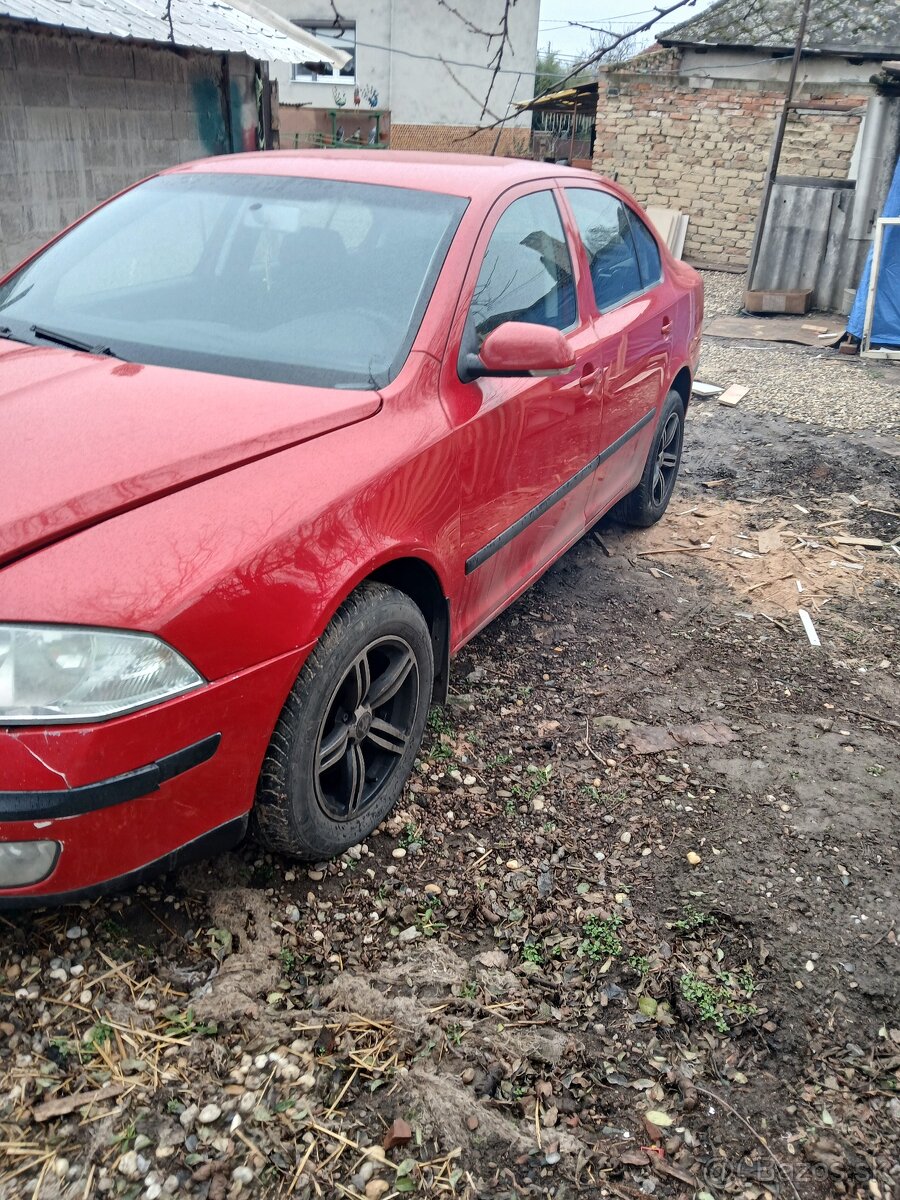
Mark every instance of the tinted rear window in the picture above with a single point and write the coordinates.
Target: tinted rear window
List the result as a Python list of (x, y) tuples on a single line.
[(605, 230), (299, 280)]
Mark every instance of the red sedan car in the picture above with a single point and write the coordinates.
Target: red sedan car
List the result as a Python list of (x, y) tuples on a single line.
[(281, 433)]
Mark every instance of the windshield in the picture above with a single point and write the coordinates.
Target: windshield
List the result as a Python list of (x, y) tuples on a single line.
[(306, 281)]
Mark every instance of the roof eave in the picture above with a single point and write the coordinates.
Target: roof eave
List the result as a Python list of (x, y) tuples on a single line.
[(867, 54), (246, 26)]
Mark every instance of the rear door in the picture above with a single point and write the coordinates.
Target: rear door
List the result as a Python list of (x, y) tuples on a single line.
[(633, 324), (522, 442)]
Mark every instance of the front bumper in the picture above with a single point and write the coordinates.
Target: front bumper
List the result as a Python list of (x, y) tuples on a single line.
[(72, 802), (142, 792)]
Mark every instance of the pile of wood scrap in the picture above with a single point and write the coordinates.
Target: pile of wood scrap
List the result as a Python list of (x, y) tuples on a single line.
[(798, 561)]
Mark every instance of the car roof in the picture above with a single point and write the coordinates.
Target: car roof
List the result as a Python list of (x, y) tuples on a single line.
[(453, 174)]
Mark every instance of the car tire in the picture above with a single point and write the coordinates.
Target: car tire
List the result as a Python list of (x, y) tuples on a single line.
[(349, 732), (646, 504)]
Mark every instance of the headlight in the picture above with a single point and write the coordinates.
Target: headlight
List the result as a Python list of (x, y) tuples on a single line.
[(55, 673)]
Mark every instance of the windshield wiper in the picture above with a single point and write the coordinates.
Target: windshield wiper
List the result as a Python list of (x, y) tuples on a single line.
[(63, 339)]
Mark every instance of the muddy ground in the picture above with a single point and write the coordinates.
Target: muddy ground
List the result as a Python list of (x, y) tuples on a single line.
[(633, 931)]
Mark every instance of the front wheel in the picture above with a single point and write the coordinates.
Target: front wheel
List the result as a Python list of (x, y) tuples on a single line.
[(348, 736), (650, 499)]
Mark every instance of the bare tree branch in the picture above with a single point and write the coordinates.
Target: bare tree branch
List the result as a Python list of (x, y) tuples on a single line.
[(497, 61), (470, 25), (595, 57), (459, 83)]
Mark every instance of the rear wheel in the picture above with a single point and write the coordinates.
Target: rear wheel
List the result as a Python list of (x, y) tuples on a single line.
[(650, 499), (347, 738)]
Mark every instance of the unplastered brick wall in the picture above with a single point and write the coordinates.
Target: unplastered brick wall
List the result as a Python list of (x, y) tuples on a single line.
[(705, 150), (460, 139), (82, 118)]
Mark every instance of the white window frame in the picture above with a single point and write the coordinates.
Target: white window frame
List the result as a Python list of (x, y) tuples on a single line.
[(325, 30)]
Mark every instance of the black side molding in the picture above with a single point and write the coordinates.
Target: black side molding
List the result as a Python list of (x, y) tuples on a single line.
[(504, 538), (70, 802)]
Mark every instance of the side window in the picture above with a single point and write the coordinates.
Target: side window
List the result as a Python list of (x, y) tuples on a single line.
[(602, 221), (647, 251), (527, 270)]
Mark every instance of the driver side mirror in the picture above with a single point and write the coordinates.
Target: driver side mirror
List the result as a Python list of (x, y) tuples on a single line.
[(520, 348)]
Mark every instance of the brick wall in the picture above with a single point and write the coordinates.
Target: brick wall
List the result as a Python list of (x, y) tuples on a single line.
[(456, 139), (82, 118), (705, 150)]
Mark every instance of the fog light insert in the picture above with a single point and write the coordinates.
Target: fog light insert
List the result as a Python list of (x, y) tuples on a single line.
[(22, 863)]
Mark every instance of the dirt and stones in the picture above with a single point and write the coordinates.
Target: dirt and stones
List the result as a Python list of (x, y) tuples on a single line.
[(816, 385), (595, 970)]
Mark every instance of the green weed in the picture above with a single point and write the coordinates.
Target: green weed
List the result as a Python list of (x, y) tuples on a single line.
[(411, 835), (438, 721), (721, 999), (426, 918), (691, 919), (600, 938)]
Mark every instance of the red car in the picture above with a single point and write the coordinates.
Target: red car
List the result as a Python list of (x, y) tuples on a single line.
[(281, 432)]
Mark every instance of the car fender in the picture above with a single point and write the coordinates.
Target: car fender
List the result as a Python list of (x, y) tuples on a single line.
[(241, 568)]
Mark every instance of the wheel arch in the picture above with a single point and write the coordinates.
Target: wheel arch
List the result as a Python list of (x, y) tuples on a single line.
[(682, 384), (418, 580)]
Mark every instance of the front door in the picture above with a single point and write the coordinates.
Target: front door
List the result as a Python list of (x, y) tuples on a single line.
[(523, 442)]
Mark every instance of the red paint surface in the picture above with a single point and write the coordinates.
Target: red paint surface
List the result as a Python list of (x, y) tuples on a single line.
[(232, 517)]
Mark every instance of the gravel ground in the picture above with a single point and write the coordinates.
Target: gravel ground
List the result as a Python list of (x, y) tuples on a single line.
[(816, 386), (632, 930)]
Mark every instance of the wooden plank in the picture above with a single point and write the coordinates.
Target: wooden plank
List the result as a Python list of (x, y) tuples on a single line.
[(663, 220), (869, 543), (808, 626), (768, 539), (732, 396), (680, 234), (61, 1106)]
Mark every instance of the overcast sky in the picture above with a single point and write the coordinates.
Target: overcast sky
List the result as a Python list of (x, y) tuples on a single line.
[(616, 15)]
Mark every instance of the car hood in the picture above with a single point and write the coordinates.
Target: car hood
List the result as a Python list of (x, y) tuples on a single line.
[(84, 438)]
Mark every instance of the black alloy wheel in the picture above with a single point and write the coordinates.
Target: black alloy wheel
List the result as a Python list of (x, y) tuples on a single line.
[(667, 458), (349, 732), (649, 500), (366, 727)]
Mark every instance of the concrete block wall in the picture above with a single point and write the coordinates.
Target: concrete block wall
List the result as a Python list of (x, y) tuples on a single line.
[(81, 118), (705, 149)]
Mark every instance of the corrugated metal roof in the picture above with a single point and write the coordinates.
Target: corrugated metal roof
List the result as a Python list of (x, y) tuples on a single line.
[(204, 24), (565, 96), (870, 27)]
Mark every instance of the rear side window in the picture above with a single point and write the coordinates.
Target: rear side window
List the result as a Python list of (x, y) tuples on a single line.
[(527, 270), (605, 230), (647, 251)]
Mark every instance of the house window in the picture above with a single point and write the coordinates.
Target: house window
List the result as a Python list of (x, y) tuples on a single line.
[(342, 36)]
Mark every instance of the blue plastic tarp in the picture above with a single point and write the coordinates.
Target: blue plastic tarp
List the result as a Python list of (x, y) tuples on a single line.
[(886, 319)]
